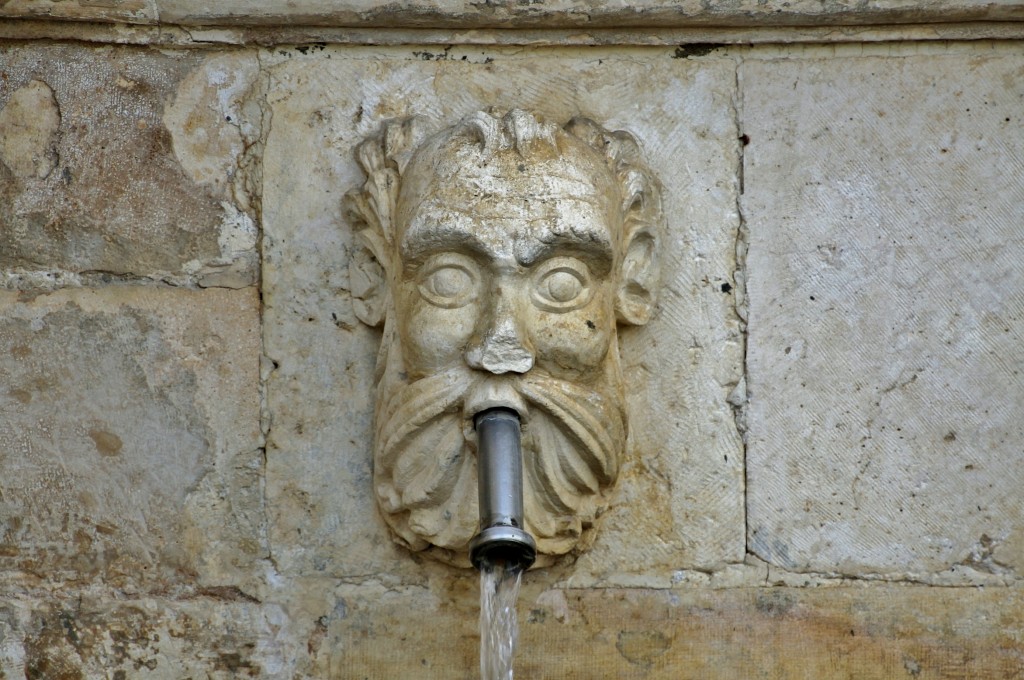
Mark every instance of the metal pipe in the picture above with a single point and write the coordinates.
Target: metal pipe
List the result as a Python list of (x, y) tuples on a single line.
[(500, 484)]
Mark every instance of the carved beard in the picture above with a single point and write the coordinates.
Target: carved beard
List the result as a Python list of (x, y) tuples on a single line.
[(425, 466)]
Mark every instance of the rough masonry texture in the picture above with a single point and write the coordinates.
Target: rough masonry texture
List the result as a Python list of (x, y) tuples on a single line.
[(823, 467)]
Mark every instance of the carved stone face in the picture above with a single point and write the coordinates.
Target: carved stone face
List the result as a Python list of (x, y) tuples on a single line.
[(508, 264)]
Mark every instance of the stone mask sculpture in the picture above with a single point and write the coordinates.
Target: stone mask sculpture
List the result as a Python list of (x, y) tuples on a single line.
[(502, 254)]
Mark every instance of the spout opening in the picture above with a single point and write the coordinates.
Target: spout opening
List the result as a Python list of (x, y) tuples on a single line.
[(503, 545)]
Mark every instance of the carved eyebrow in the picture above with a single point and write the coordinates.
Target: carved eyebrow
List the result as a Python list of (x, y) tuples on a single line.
[(422, 239), (452, 228), (597, 253)]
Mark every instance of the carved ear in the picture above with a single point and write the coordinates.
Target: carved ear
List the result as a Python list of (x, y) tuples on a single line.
[(370, 210), (367, 271), (368, 285), (636, 297)]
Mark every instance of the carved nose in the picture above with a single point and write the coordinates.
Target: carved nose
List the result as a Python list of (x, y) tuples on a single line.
[(503, 347)]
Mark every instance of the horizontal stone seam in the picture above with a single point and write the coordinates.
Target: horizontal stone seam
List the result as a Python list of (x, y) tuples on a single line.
[(423, 15), (42, 282), (222, 35)]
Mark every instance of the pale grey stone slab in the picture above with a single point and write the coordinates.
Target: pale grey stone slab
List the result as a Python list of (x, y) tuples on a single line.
[(125, 162), (885, 204), (129, 436), (679, 501)]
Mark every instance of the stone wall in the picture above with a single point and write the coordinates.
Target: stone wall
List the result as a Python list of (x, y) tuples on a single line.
[(826, 451)]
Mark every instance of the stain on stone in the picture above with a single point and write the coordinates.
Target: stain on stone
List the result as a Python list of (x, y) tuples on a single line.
[(773, 603), (50, 649), (695, 50), (228, 594), (235, 664), (72, 642), (23, 396), (107, 443), (316, 638), (67, 623), (641, 647)]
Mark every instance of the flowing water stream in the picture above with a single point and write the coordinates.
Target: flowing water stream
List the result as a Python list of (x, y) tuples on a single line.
[(499, 629)]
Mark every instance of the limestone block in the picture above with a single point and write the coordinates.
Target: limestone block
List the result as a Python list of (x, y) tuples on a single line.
[(875, 633), (885, 201), (213, 635), (679, 499), (127, 162), (129, 436)]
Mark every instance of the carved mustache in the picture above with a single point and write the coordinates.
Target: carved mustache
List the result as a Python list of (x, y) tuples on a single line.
[(569, 446)]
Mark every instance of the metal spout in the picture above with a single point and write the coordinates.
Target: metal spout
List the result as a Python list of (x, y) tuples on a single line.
[(501, 538)]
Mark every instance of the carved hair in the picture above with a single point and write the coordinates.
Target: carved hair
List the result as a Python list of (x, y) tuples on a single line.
[(385, 156)]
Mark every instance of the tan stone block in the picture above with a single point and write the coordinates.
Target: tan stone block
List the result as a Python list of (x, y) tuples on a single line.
[(875, 632), (679, 501), (129, 435), (884, 204), (214, 634), (100, 170)]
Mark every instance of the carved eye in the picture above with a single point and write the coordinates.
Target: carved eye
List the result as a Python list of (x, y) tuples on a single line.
[(562, 284), (449, 281)]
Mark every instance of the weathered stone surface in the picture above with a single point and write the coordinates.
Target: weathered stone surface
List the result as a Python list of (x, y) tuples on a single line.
[(134, 534), (875, 633), (28, 125), (213, 635), (106, 166), (679, 500), (549, 13), (884, 203), (129, 435)]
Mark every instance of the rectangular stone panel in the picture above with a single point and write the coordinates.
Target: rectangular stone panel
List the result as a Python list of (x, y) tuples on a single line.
[(212, 635), (679, 501), (885, 204), (129, 435), (876, 633), (125, 162)]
